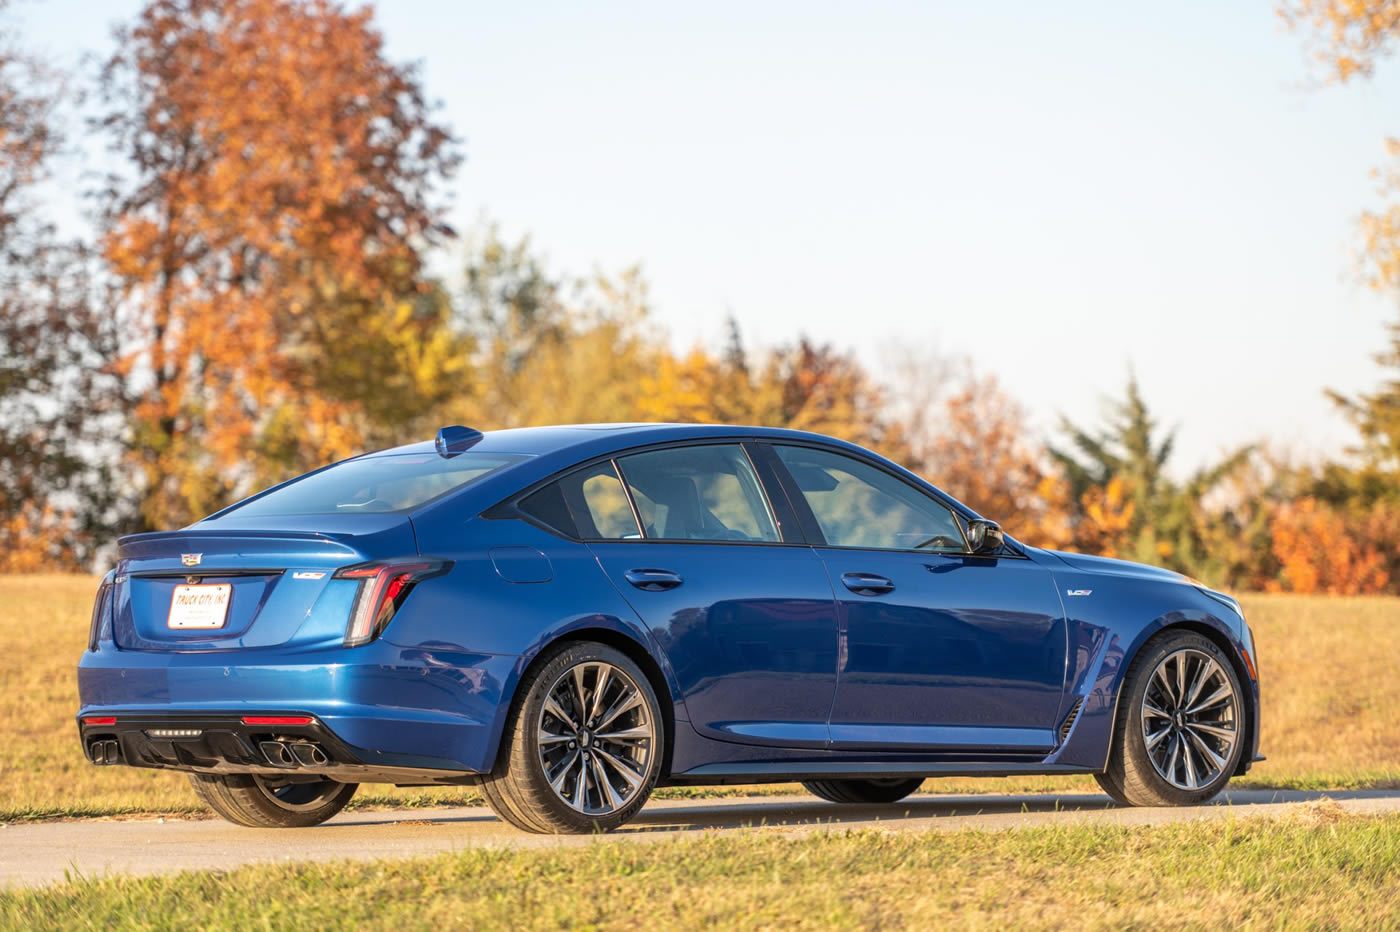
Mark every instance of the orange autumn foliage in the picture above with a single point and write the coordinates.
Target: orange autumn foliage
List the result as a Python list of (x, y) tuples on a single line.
[(1323, 550), (36, 540)]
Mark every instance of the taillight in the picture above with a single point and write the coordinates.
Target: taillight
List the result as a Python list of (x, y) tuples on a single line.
[(99, 610), (277, 720), (383, 588), (100, 720)]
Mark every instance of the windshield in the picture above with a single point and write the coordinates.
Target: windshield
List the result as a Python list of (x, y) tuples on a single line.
[(376, 484)]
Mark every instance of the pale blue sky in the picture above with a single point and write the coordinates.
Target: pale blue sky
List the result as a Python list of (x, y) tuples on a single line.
[(1055, 190)]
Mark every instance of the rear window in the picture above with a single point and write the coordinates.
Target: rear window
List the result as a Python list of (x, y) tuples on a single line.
[(377, 484)]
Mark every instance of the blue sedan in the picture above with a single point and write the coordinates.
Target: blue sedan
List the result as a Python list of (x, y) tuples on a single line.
[(568, 617)]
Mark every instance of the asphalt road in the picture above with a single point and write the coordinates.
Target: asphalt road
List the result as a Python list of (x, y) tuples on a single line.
[(40, 853)]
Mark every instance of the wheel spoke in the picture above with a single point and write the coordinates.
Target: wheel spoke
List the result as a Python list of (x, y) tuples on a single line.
[(1215, 698), (1228, 734), (1180, 677), (639, 733), (600, 777), (1191, 779), (633, 778), (581, 695), (629, 700), (1208, 755), (1155, 739), (1161, 675), (1204, 672), (554, 708), (600, 688), (1174, 751), (557, 783), (581, 785), (1150, 709), (549, 737)]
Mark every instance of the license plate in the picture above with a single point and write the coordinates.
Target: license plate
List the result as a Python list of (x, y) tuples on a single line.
[(199, 606)]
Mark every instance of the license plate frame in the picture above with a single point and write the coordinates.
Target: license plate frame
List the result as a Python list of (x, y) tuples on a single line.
[(199, 606)]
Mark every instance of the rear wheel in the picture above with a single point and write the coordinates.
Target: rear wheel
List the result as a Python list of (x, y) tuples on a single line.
[(863, 791), (582, 748), (1179, 732), (259, 801)]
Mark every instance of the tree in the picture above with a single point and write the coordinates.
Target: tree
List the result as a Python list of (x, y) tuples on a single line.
[(266, 228), (1165, 522), (52, 403), (1376, 417)]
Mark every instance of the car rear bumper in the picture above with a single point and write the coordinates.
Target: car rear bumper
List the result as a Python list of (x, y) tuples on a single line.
[(378, 705), (225, 743)]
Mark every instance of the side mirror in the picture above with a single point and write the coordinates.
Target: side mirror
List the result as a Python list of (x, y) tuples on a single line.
[(983, 536)]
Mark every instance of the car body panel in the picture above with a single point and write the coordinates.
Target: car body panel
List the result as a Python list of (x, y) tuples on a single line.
[(965, 652), (750, 632)]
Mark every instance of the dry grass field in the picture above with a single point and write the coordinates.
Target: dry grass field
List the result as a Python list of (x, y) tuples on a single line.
[(1329, 665)]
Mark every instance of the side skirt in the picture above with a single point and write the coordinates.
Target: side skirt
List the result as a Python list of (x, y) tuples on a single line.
[(785, 771)]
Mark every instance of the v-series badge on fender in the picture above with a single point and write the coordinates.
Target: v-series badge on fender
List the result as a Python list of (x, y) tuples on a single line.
[(1079, 592)]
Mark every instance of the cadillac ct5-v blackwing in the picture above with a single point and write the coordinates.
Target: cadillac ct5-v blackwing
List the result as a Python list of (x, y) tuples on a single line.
[(571, 616)]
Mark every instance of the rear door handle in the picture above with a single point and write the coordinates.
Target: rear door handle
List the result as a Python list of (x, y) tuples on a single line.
[(653, 580), (867, 583)]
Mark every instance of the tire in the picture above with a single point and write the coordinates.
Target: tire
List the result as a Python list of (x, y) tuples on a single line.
[(1169, 751), (257, 801), (561, 772), (863, 791)]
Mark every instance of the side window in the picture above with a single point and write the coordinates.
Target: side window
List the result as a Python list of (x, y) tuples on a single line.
[(699, 493), (606, 502), (857, 505), (588, 503)]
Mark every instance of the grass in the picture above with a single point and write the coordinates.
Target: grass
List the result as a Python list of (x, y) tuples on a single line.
[(1319, 868), (1331, 710)]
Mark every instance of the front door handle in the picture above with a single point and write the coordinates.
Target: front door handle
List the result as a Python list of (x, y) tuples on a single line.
[(867, 584), (653, 580)]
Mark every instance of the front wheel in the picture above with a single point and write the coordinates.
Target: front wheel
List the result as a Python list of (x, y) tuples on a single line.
[(582, 747), (889, 790), (1180, 728), (259, 801)]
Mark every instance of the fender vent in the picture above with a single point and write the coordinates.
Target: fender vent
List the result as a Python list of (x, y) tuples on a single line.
[(1069, 719)]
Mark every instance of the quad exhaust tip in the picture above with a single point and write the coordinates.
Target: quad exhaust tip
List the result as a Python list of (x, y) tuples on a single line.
[(105, 752), (294, 754), (309, 755)]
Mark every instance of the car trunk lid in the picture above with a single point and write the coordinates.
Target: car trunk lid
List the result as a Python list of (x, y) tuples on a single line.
[(247, 586)]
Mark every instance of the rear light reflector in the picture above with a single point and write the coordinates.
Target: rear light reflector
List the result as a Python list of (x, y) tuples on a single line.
[(383, 588), (100, 720), (277, 720)]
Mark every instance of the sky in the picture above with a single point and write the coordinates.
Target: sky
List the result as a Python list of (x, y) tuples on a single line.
[(1060, 192)]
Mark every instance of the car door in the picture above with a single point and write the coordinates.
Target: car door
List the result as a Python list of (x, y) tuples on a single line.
[(743, 611), (939, 649)]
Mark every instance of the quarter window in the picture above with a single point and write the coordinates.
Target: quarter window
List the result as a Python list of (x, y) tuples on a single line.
[(588, 503), (705, 492), (857, 505)]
